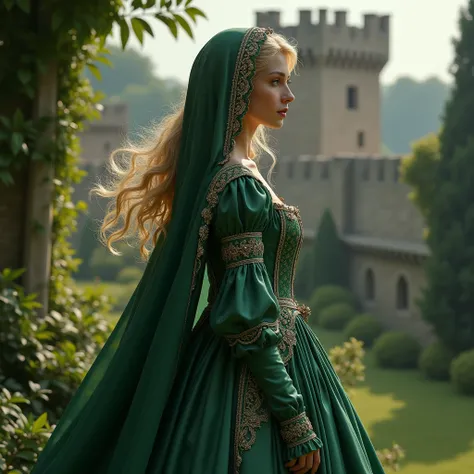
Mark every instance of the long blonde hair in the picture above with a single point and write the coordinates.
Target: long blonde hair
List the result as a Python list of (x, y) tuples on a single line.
[(142, 187)]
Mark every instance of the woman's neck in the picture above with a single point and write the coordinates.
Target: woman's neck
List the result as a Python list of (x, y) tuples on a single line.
[(243, 142)]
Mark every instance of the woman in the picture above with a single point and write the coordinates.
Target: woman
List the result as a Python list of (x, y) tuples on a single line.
[(248, 389)]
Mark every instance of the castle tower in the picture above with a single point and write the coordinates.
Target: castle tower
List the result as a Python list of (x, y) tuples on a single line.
[(337, 89)]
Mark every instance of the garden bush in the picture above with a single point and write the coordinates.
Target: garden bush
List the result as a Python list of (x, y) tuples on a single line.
[(337, 316), (129, 275), (365, 328), (435, 361), (462, 372), (397, 350), (22, 436), (328, 295), (52, 352)]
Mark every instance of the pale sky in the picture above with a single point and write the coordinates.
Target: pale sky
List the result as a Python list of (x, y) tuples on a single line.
[(421, 32)]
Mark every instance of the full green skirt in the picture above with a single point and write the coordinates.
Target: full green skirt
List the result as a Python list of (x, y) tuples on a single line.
[(197, 434)]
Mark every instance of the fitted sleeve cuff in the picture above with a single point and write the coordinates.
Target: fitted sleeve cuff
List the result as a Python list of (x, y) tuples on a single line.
[(299, 436)]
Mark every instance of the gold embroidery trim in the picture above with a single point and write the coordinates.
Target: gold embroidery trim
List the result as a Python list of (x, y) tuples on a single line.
[(251, 335), (297, 430), (305, 311), (242, 85), (242, 249), (224, 176), (252, 412)]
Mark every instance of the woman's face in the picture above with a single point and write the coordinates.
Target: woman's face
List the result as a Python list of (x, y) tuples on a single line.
[(271, 94)]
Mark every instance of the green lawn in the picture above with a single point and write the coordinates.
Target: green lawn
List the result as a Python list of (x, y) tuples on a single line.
[(433, 424)]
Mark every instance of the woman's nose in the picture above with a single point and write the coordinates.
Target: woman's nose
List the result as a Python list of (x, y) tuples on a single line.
[(288, 97)]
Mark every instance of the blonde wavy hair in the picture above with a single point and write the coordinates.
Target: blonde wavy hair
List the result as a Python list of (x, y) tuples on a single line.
[(141, 188)]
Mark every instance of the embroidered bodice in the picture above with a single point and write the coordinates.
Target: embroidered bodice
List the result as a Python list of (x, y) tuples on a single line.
[(252, 248)]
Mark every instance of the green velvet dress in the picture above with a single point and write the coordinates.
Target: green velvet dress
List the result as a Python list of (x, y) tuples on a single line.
[(256, 388)]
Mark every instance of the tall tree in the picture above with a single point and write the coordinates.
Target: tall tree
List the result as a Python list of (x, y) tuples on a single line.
[(329, 255), (448, 301), (411, 109)]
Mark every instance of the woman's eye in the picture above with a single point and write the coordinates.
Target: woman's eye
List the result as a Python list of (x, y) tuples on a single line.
[(277, 81), (289, 81)]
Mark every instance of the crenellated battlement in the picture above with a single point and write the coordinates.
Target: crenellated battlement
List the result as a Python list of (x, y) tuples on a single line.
[(336, 42)]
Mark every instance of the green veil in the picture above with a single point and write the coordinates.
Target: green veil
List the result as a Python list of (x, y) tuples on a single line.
[(111, 423)]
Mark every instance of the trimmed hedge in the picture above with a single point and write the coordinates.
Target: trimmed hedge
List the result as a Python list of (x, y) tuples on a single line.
[(365, 328), (462, 372), (337, 316), (397, 350), (328, 295), (435, 361)]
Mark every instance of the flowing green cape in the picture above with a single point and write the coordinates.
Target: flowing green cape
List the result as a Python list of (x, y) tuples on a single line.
[(112, 421)]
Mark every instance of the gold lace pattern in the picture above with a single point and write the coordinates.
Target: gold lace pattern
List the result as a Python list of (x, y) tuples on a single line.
[(242, 249)]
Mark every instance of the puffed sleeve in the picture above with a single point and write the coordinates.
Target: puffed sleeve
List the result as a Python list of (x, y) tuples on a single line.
[(245, 311)]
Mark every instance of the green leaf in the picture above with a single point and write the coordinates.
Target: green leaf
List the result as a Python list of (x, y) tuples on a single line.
[(179, 2), (24, 5), (18, 119), (171, 24), (6, 178), (104, 60), (95, 71), (124, 31), (24, 75), (8, 4), (194, 12), (56, 20), (137, 29), (27, 455), (187, 2), (145, 26), (184, 24), (150, 3), (40, 422), (16, 142), (6, 121)]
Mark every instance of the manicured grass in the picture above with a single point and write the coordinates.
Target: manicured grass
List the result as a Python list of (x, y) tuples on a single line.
[(428, 419)]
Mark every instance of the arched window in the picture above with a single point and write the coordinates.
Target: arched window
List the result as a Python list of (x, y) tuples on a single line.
[(369, 285), (402, 293)]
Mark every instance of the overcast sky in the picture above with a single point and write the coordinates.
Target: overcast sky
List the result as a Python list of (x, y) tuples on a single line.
[(421, 31)]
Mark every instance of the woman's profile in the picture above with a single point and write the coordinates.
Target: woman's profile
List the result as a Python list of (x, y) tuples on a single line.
[(245, 387)]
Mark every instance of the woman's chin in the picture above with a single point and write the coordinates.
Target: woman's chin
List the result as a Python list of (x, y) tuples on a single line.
[(277, 124)]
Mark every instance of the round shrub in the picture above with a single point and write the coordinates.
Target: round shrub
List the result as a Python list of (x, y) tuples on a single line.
[(435, 361), (462, 372), (336, 316), (396, 350), (129, 275), (328, 295), (365, 328)]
